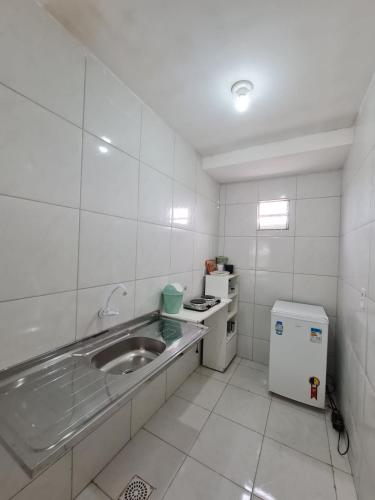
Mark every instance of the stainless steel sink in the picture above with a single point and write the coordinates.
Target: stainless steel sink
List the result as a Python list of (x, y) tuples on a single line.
[(128, 355), (49, 403)]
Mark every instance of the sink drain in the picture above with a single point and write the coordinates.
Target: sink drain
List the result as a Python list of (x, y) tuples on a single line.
[(137, 489)]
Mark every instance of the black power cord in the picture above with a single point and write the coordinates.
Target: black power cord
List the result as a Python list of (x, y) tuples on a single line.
[(337, 418)]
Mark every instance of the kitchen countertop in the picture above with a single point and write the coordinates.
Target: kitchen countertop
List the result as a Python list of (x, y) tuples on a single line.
[(196, 316)]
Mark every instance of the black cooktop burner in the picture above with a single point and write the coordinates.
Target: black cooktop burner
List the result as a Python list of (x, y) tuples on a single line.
[(197, 301), (203, 303)]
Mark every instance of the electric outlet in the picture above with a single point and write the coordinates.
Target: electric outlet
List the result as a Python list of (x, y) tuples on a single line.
[(362, 300)]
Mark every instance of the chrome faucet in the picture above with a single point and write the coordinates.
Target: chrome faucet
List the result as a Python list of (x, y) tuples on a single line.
[(107, 311)]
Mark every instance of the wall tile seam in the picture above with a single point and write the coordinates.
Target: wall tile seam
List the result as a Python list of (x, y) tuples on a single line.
[(85, 130), (259, 235), (80, 127), (371, 250), (71, 475), (49, 294), (333, 316), (80, 202), (112, 145), (255, 269), (138, 228), (255, 285), (357, 228), (350, 284), (259, 270), (79, 205), (173, 178), (284, 199), (42, 202), (106, 214), (173, 198), (101, 285), (36, 103), (364, 102), (346, 182), (365, 368), (363, 371), (269, 306), (350, 173)]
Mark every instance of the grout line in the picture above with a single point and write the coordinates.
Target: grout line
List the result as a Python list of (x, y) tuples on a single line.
[(42, 202), (349, 180), (80, 194), (247, 390), (172, 208), (90, 211), (174, 476), (280, 199), (99, 488), (238, 423), (330, 455), (292, 274), (138, 210), (29, 99), (287, 236), (77, 208), (261, 449), (97, 212), (272, 399), (220, 474), (82, 124), (288, 272), (298, 451), (112, 145), (187, 454), (71, 474), (70, 290), (255, 278), (199, 433)]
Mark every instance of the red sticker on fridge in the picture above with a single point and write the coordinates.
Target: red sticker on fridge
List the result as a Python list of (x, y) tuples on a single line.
[(314, 384)]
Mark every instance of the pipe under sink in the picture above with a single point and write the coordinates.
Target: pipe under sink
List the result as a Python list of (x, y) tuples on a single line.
[(128, 355)]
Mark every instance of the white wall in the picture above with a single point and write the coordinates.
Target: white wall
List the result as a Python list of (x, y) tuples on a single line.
[(78, 215), (356, 317), (299, 264)]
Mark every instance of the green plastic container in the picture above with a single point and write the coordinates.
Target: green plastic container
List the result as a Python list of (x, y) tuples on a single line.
[(172, 298)]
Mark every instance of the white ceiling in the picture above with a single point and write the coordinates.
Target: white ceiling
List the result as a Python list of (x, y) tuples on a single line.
[(310, 62)]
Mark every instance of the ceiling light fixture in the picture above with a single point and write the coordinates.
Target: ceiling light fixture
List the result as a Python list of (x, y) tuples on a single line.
[(241, 91)]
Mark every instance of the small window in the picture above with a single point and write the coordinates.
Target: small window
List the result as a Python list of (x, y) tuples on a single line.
[(273, 214)]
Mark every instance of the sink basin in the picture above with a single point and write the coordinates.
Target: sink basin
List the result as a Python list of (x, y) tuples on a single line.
[(128, 355)]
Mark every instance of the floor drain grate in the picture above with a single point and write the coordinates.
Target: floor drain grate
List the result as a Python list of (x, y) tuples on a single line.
[(137, 489)]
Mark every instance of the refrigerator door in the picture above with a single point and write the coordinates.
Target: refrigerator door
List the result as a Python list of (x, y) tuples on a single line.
[(298, 356)]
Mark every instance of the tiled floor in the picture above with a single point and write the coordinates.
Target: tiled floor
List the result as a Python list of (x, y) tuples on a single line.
[(223, 437)]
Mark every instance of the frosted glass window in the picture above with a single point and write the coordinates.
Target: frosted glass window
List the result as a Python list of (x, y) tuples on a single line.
[(273, 214)]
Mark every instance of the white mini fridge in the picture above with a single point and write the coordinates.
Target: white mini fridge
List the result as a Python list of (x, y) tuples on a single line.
[(298, 352)]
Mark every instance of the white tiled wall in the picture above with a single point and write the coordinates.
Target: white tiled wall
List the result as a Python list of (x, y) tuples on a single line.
[(299, 264), (95, 190), (355, 341)]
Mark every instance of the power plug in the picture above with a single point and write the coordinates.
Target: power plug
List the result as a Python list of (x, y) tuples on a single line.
[(337, 421)]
